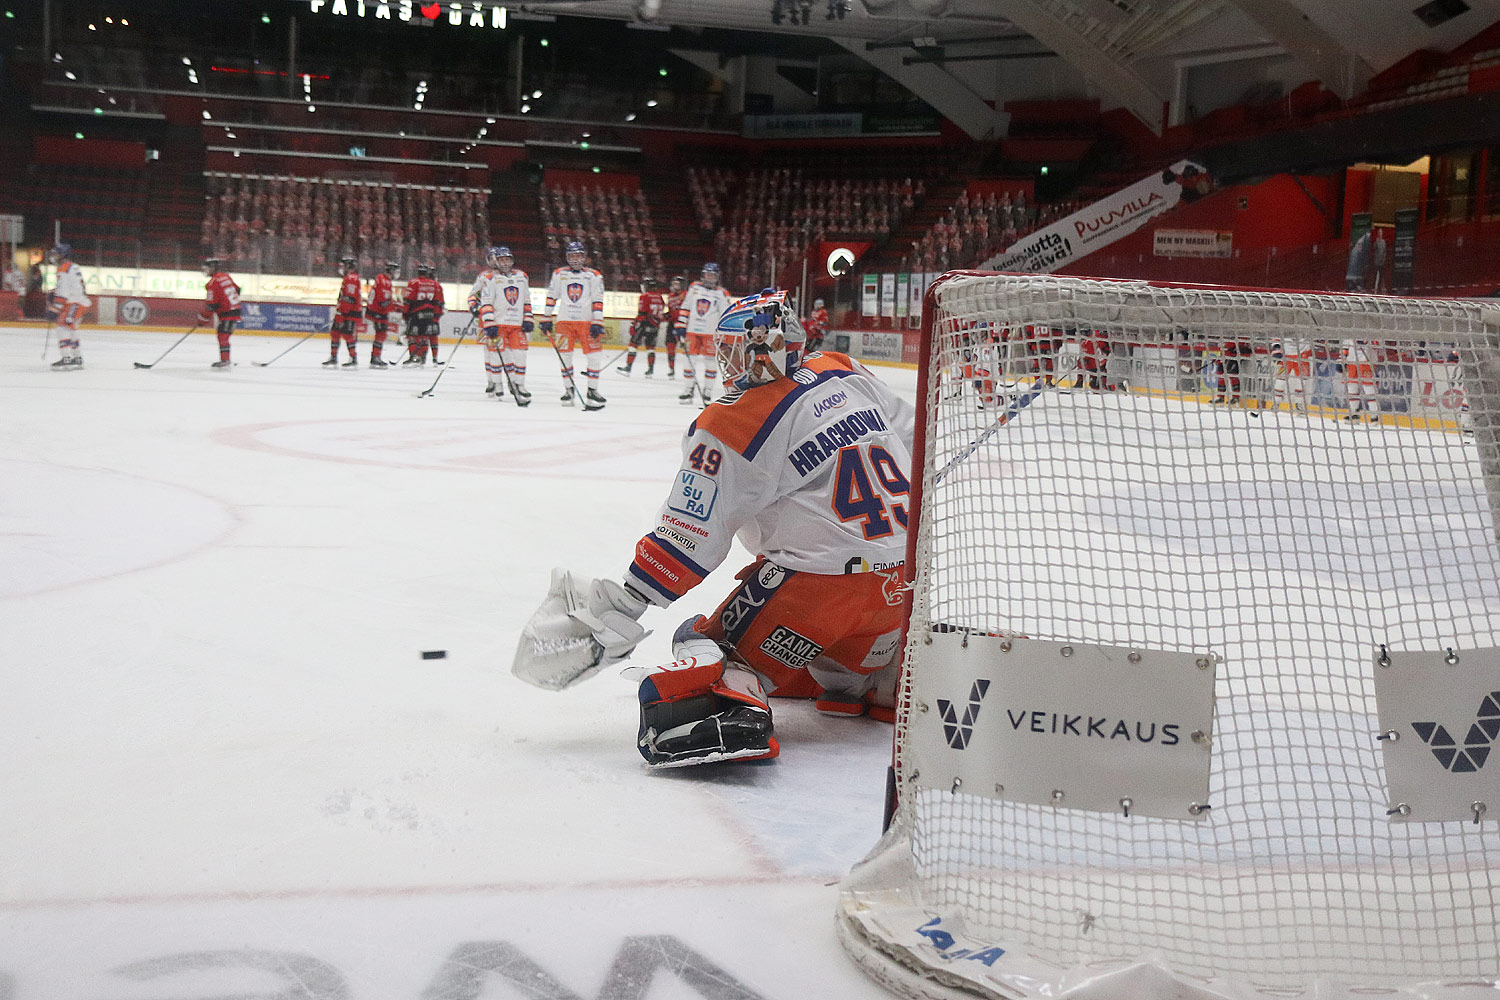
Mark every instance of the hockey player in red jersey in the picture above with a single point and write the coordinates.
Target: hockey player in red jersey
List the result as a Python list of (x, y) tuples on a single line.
[(346, 315), (650, 313), (423, 306), (223, 303), (676, 293), (805, 460), (817, 325), (378, 310)]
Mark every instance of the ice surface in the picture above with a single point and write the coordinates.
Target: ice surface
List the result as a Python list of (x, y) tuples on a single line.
[(226, 771)]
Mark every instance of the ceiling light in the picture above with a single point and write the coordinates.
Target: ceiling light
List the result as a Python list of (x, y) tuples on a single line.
[(312, 107), (186, 61), (206, 115), (525, 108), (489, 121), (536, 93), (630, 117), (651, 103), (70, 75)]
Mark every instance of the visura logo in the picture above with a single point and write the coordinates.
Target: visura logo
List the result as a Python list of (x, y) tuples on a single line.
[(1476, 747), (958, 729)]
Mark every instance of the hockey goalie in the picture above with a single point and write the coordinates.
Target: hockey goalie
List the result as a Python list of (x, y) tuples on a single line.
[(806, 459)]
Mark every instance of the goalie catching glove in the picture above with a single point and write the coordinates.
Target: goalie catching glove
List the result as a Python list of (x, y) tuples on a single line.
[(577, 632)]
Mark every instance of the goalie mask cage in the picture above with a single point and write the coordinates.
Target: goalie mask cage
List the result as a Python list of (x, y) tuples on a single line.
[(1142, 471)]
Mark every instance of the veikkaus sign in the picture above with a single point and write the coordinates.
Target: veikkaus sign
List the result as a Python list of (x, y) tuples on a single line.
[(1103, 222), (471, 14)]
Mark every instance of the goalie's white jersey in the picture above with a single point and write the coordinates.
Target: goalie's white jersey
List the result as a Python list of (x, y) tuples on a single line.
[(810, 471)]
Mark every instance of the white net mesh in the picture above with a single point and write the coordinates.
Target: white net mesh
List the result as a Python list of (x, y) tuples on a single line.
[(1287, 480)]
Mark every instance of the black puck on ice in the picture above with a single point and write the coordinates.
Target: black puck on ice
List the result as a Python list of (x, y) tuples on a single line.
[(434, 654)]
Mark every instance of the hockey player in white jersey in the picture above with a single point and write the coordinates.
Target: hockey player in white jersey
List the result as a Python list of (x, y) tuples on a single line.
[(575, 296), (697, 319), (805, 460), (67, 303), (500, 303)]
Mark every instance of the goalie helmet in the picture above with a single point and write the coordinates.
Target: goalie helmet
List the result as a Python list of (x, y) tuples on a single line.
[(501, 258), (576, 254), (758, 340)]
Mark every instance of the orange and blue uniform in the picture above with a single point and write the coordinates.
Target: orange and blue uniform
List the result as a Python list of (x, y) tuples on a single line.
[(810, 472)]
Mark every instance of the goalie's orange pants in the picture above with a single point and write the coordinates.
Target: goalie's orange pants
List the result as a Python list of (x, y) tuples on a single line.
[(781, 620)]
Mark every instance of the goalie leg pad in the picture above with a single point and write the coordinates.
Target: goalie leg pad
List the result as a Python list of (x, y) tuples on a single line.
[(707, 713)]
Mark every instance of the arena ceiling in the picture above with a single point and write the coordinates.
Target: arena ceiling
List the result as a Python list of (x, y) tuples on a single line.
[(1128, 50)]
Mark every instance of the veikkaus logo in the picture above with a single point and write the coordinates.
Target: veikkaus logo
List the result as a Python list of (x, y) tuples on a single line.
[(958, 729), (1476, 746)]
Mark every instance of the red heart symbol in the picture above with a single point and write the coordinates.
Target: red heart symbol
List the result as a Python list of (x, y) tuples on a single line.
[(431, 11)]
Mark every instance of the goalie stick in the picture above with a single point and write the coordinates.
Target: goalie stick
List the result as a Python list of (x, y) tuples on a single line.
[(169, 350)]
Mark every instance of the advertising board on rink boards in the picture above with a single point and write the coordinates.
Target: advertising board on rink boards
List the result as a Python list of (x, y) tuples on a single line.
[(1066, 725), (129, 282)]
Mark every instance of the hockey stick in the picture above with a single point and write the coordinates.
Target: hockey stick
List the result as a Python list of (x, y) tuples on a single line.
[(1038, 386), (446, 364), (515, 396), (572, 384), (169, 350), (616, 360), (47, 343), (289, 350)]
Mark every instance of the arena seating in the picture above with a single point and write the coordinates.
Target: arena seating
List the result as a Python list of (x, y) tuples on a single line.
[(765, 219), (615, 226), (302, 225), (974, 229), (99, 208)]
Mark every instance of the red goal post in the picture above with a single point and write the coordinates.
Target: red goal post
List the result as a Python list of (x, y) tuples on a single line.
[(1203, 651)]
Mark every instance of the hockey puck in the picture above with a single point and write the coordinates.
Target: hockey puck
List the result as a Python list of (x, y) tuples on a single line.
[(434, 654)]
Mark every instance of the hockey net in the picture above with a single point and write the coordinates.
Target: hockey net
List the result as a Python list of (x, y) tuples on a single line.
[(1114, 473)]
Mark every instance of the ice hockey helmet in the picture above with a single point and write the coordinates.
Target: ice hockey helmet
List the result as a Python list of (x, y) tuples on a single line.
[(495, 254), (212, 265), (575, 247), (710, 273), (678, 283), (649, 284), (346, 264), (392, 268), (758, 340), (817, 303), (425, 269), (61, 251)]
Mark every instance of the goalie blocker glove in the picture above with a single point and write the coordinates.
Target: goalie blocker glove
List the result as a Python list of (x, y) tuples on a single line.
[(578, 631)]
